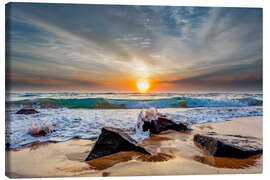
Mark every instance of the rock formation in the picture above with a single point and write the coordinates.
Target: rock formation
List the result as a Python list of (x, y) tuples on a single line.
[(154, 122), (113, 140), (27, 111), (162, 124), (229, 146)]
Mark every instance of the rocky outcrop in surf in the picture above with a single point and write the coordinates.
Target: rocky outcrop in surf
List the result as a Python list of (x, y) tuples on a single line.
[(113, 140), (162, 124), (27, 111), (154, 122)]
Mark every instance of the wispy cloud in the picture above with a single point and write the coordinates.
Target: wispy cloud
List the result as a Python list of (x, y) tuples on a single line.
[(98, 44)]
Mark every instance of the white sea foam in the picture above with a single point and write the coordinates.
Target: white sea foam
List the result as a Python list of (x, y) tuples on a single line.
[(87, 123), (68, 123), (145, 115)]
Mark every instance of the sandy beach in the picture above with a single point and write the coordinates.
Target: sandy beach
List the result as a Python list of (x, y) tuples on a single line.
[(173, 153)]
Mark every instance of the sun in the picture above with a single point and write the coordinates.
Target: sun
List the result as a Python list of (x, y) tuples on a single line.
[(143, 85)]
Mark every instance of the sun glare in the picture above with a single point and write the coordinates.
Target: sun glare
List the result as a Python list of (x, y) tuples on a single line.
[(143, 85)]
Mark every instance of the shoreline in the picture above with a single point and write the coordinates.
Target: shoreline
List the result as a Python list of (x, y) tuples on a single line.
[(86, 123), (174, 153)]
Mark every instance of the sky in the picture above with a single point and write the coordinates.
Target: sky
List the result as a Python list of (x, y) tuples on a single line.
[(108, 48)]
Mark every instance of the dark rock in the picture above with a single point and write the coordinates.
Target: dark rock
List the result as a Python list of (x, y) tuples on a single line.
[(27, 111), (113, 140), (228, 146), (7, 146), (162, 124)]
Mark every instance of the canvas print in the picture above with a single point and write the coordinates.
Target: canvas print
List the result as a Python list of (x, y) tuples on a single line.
[(125, 90)]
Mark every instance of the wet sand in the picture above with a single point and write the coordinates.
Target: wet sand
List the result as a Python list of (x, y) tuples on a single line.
[(174, 153)]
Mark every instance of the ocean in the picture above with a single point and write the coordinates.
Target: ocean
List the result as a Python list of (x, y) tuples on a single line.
[(82, 115)]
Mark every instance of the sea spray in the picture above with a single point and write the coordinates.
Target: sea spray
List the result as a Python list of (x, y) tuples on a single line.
[(37, 130), (140, 134), (146, 115)]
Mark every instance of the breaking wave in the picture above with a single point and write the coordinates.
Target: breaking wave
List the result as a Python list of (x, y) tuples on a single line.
[(103, 103)]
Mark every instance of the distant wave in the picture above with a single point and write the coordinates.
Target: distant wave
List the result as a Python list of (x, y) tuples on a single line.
[(103, 103)]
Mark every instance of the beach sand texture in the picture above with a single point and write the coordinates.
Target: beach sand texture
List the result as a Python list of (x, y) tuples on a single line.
[(174, 153)]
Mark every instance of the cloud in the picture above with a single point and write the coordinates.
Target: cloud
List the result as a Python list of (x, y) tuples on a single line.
[(243, 77), (44, 83), (102, 42)]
